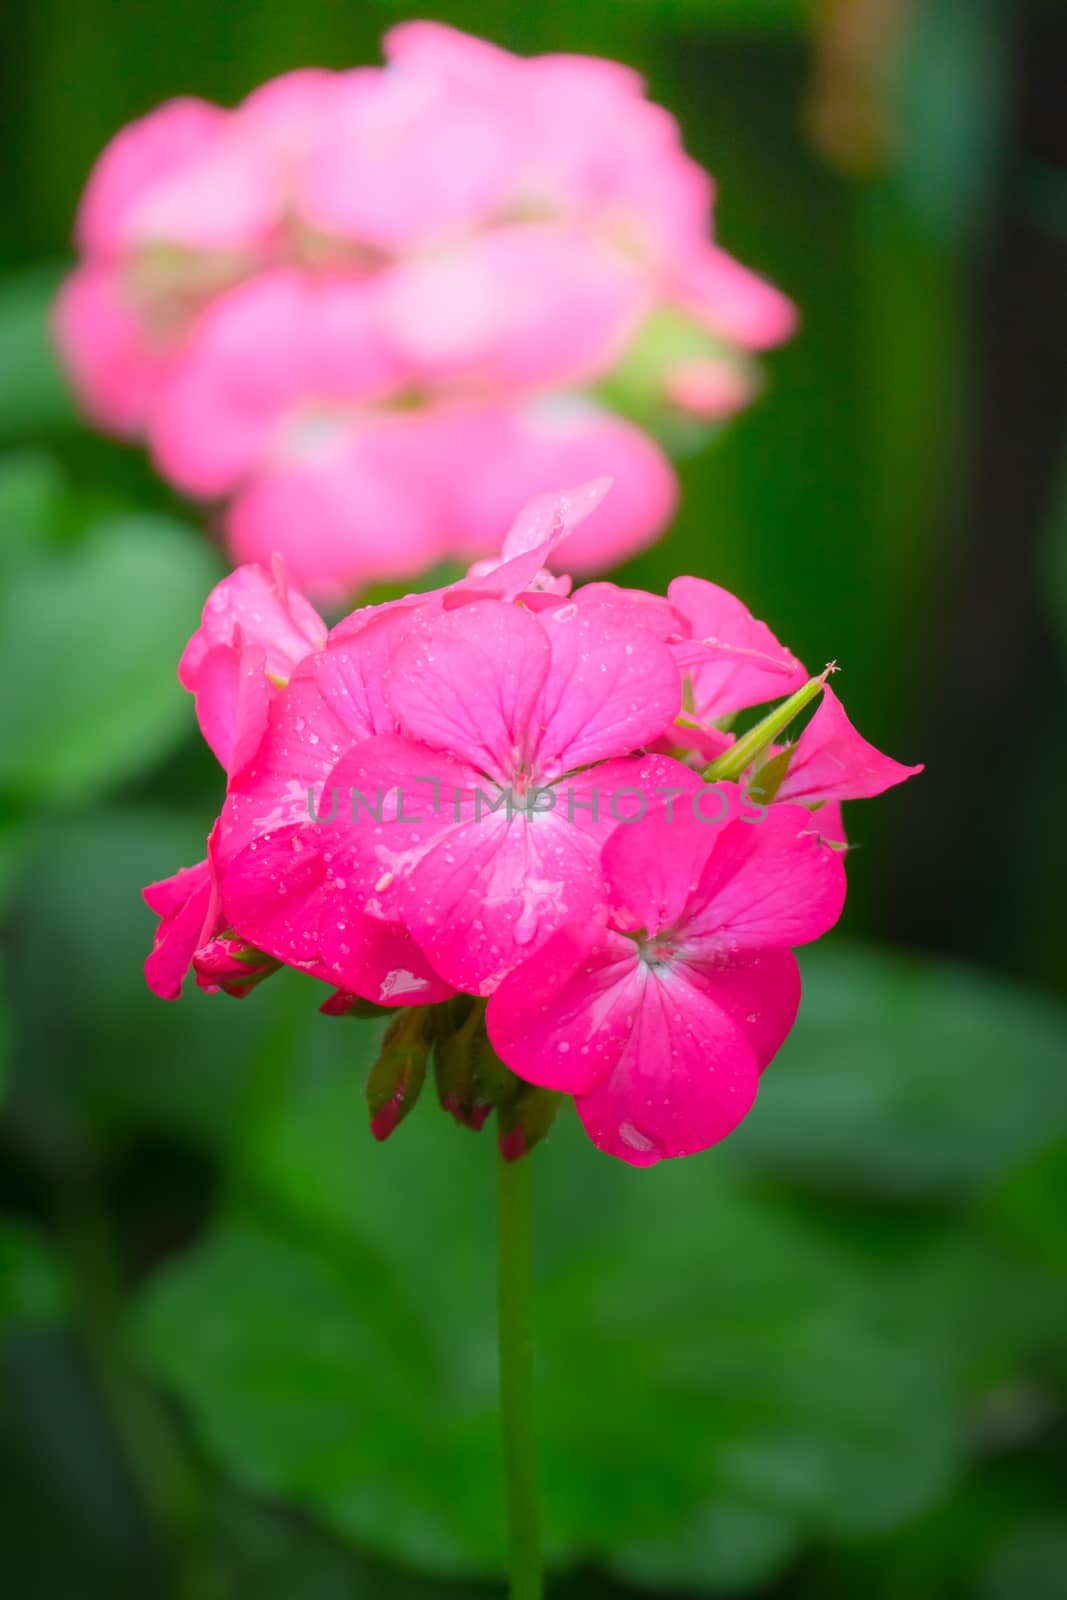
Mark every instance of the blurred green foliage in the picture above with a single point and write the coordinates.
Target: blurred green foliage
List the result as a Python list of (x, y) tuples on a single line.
[(246, 1352)]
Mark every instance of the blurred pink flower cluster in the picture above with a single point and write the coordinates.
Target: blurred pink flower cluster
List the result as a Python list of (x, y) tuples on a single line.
[(371, 312), (501, 791)]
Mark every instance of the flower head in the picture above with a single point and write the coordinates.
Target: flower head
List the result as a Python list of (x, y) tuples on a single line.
[(503, 804), (374, 311)]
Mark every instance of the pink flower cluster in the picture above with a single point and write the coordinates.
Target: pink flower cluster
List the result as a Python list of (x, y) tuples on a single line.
[(371, 311), (502, 790)]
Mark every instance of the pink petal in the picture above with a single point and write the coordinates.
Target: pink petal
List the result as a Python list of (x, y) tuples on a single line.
[(610, 687), (685, 1079), (831, 761), (271, 895), (378, 960), (732, 660), (333, 701), (468, 681), (181, 902), (118, 366), (434, 50), (761, 993), (263, 361), (768, 883), (517, 306), (355, 509), (731, 300), (232, 699), (654, 866), (507, 457), (255, 607), (141, 155), (542, 524), (392, 197), (563, 1018)]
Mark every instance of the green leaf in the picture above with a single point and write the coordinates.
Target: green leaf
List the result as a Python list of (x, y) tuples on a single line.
[(1030, 1207), (95, 1054), (1032, 1562), (31, 1284), (34, 396), (908, 1078), (31, 494), (709, 1395), (89, 645)]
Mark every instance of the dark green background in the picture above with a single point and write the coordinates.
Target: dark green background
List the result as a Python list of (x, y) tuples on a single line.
[(246, 1352)]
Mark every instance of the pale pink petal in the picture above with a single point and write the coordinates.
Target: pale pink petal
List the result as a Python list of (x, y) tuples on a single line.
[(353, 509), (141, 155), (436, 51), (731, 300), (831, 761), (712, 389), (261, 366), (517, 306), (505, 457), (392, 197), (117, 364), (227, 200)]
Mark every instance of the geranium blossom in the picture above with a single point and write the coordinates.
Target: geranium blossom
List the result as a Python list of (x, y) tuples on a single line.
[(660, 1017), (372, 312), (506, 791)]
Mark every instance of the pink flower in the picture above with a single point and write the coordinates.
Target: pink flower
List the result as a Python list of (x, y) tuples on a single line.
[(469, 802), (660, 1018), (373, 311)]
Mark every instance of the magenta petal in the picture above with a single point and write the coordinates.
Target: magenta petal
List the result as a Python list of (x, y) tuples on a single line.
[(832, 761), (182, 903), (467, 681), (760, 992), (272, 894), (770, 883), (255, 607), (563, 1018), (685, 1079), (609, 688), (731, 658), (379, 961)]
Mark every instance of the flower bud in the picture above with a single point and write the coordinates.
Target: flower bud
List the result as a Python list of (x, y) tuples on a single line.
[(397, 1076), (231, 965), (343, 1004), (526, 1120), (735, 761), (461, 1088)]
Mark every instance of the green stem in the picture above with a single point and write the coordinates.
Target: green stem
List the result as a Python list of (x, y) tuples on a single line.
[(515, 1343)]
